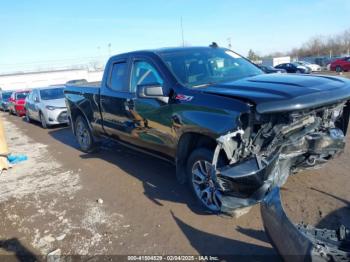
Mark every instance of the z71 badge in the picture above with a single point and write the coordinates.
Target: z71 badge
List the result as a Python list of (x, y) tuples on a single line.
[(183, 97)]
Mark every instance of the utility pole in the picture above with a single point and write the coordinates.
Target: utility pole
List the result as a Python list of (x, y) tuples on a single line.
[(109, 49), (182, 33), (229, 43)]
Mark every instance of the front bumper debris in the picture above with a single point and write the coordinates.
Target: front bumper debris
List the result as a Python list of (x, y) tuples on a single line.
[(300, 242), (246, 182)]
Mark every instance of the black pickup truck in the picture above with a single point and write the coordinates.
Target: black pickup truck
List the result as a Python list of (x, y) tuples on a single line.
[(232, 131)]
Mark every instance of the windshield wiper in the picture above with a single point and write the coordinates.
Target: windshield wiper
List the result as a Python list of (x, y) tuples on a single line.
[(203, 85)]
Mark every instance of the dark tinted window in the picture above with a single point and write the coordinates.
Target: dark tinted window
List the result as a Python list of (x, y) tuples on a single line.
[(118, 77), (51, 93), (21, 95)]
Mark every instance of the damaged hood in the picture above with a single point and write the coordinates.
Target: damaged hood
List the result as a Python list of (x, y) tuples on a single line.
[(283, 92)]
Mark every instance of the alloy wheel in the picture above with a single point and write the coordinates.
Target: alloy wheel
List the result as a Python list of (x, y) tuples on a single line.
[(83, 135), (204, 186), (43, 121)]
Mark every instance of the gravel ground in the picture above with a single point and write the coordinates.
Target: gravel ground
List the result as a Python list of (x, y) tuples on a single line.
[(50, 202)]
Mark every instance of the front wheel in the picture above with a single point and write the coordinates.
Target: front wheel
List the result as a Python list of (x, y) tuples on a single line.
[(338, 69), (201, 181), (84, 135), (27, 117), (43, 121)]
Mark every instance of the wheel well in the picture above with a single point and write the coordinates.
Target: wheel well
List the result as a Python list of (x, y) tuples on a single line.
[(74, 113), (187, 143)]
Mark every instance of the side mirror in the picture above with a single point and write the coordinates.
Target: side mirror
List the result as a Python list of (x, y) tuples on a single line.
[(154, 91), (150, 91)]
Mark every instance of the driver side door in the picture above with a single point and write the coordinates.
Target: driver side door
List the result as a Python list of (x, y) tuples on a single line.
[(151, 116)]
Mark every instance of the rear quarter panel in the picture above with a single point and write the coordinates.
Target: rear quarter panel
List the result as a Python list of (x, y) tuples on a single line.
[(84, 100)]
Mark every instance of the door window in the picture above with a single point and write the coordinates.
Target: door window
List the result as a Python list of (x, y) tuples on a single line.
[(118, 77), (30, 97), (143, 73), (35, 96)]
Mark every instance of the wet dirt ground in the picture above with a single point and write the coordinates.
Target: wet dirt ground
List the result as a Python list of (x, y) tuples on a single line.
[(49, 202)]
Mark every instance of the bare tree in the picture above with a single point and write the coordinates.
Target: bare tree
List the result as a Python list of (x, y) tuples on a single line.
[(321, 46)]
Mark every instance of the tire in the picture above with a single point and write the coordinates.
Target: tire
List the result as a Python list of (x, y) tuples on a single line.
[(298, 72), (27, 117), (203, 188), (84, 135), (43, 121), (17, 114), (338, 69)]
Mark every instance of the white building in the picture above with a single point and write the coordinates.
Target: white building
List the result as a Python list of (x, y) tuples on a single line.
[(276, 60), (47, 78)]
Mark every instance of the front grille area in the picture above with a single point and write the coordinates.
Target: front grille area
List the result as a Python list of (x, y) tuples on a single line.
[(62, 117)]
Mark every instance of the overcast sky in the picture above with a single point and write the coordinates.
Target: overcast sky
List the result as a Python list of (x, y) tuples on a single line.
[(62, 31)]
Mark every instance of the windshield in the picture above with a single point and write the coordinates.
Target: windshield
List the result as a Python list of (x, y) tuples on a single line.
[(51, 94), (21, 95), (6, 96), (200, 67)]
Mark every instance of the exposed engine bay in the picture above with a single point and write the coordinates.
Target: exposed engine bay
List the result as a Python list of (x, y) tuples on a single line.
[(269, 148)]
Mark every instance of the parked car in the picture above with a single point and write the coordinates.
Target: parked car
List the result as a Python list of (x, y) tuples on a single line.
[(77, 82), (340, 65), (270, 70), (313, 67), (232, 131), (4, 100), (46, 105), (16, 102), (294, 68)]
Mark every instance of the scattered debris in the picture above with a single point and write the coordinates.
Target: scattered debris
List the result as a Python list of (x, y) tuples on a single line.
[(49, 239), (15, 159), (100, 201), (61, 237), (54, 256)]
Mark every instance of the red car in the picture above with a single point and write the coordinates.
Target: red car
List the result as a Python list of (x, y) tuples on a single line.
[(340, 65), (16, 102)]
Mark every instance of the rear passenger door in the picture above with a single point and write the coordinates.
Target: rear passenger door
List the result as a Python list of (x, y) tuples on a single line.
[(114, 98), (34, 109), (28, 103)]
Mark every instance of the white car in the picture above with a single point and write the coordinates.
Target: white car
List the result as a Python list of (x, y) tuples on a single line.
[(46, 105), (313, 67)]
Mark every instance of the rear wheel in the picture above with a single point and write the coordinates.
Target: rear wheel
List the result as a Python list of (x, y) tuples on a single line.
[(201, 180), (84, 135), (338, 69)]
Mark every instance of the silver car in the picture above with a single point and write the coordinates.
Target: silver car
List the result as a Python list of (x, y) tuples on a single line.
[(46, 105)]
